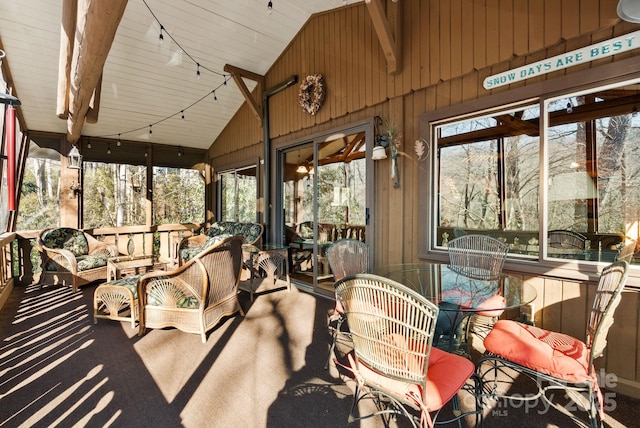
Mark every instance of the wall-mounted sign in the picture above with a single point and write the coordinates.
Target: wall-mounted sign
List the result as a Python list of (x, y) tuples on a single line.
[(579, 56)]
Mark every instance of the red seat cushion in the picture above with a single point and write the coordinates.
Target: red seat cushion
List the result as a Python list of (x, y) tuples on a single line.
[(488, 307), (446, 375), (548, 352)]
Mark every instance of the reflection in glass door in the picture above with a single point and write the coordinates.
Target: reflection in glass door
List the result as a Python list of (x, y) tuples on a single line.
[(324, 200)]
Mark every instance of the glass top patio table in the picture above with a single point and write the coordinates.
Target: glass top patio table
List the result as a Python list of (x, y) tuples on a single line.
[(439, 283)]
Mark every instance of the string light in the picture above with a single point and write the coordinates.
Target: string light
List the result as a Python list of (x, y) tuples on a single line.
[(163, 29), (89, 143), (119, 143), (108, 148), (161, 37), (179, 151), (569, 108), (269, 7)]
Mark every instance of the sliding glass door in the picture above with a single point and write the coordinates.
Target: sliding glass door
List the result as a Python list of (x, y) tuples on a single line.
[(324, 199)]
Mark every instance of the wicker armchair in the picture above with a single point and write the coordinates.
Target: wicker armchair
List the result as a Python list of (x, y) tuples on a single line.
[(196, 296), (72, 257), (220, 230)]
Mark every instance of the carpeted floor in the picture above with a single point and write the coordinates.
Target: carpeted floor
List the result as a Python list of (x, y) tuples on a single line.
[(58, 368)]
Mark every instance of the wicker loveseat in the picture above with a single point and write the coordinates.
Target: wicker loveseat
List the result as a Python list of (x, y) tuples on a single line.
[(220, 230), (72, 257), (196, 296)]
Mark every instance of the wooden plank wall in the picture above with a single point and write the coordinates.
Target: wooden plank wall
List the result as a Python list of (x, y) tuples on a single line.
[(448, 48)]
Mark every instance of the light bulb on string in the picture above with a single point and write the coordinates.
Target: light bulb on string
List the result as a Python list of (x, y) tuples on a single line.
[(89, 144), (145, 154), (108, 148), (161, 37), (569, 108), (269, 7), (119, 143), (198, 70), (214, 96), (150, 130), (182, 112)]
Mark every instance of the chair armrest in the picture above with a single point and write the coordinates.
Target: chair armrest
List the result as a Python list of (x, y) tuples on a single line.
[(192, 241), (63, 259)]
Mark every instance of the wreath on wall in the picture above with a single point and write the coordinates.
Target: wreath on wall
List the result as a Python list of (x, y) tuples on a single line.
[(311, 95)]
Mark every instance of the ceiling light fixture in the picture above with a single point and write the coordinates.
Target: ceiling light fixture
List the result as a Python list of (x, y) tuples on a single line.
[(75, 158), (629, 10)]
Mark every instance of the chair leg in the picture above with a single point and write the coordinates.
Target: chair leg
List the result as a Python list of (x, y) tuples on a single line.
[(334, 337)]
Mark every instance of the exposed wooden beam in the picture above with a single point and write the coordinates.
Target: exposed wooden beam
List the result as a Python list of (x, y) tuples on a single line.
[(238, 74), (96, 26), (385, 27)]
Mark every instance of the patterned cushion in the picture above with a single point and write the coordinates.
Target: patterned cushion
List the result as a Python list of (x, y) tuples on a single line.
[(249, 231), (91, 262), (552, 353), (187, 254), (68, 239), (131, 282)]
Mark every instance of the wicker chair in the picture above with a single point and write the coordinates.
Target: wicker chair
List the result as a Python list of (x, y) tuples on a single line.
[(196, 296), (72, 257), (627, 251), (393, 362), (219, 231), (554, 360), (477, 256), (346, 257), (481, 257), (567, 239)]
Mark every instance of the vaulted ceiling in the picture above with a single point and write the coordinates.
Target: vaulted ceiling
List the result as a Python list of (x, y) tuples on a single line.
[(145, 82)]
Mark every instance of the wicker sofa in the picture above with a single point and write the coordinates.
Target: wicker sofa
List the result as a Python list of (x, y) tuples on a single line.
[(190, 246), (194, 297), (72, 257)]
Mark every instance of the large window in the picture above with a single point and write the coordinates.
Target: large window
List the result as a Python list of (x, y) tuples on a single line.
[(489, 178), (39, 199), (489, 175), (238, 190), (114, 195), (178, 196)]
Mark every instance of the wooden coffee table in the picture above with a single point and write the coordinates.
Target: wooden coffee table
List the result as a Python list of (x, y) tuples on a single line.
[(117, 267)]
